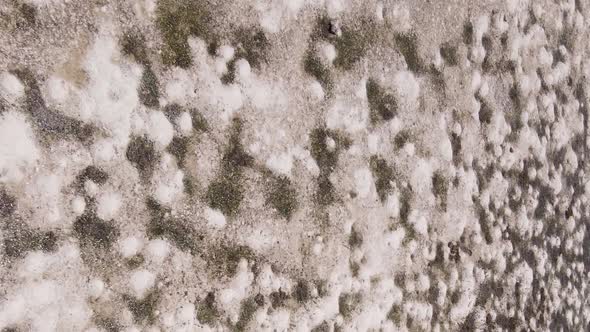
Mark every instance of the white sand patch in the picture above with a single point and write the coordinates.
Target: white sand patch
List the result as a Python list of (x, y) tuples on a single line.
[(11, 88), (18, 150)]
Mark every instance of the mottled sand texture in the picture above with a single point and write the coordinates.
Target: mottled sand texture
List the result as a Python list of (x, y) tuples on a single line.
[(294, 165)]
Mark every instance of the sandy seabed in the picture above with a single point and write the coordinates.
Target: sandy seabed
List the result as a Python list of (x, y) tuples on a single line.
[(294, 165)]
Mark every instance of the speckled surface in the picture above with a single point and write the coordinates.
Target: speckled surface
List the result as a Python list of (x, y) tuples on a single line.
[(337, 165)]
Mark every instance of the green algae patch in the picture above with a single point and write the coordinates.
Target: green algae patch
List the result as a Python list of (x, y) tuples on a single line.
[(247, 310), (235, 157), (401, 139), (250, 44), (384, 176), (467, 33), (19, 239), (325, 194), (149, 89), (383, 105), (142, 154), (440, 186), (135, 261), (356, 238), (225, 193), (133, 45), (178, 20), (173, 110), (348, 303), (49, 121), (199, 122), (449, 53), (230, 75), (109, 324), (224, 259), (407, 44), (313, 66), (144, 310), (404, 211), (179, 231), (91, 173), (326, 158), (28, 15), (353, 44), (323, 327), (303, 291), (281, 195), (178, 147), (395, 314), (279, 298), (207, 313), (253, 46), (7, 203), (190, 185), (92, 230)]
